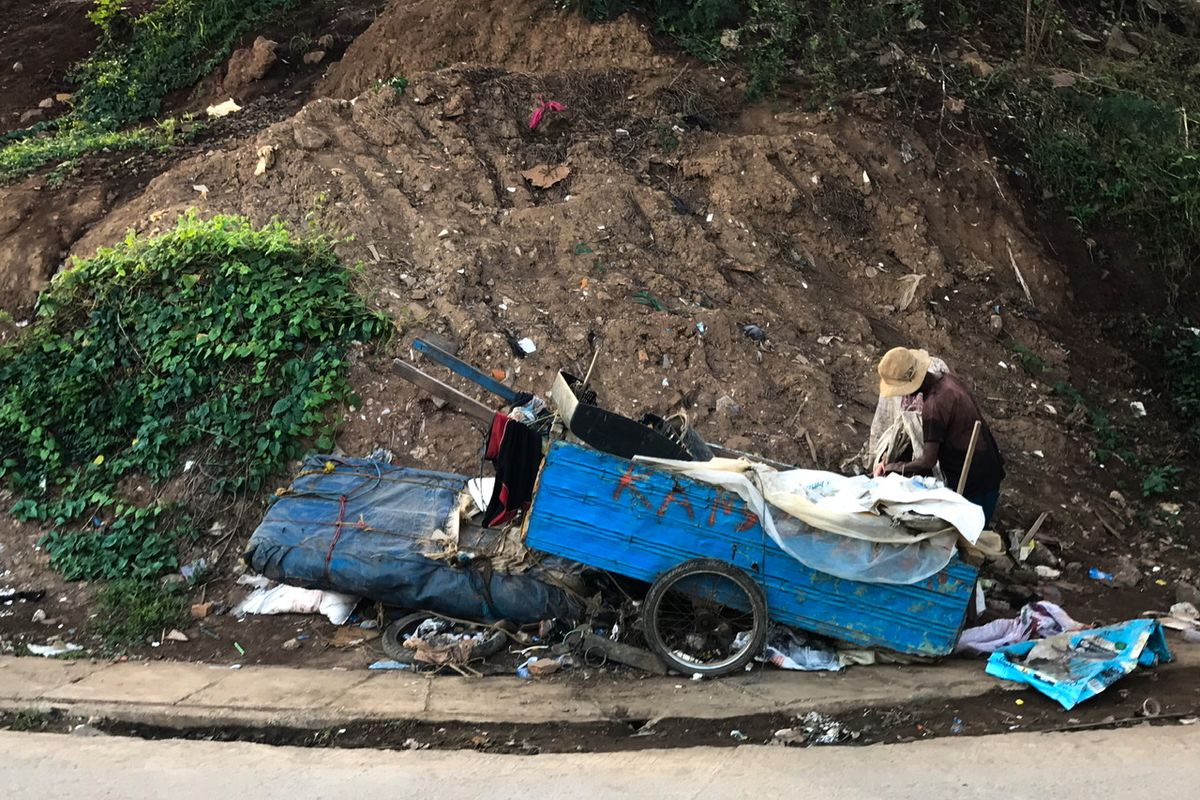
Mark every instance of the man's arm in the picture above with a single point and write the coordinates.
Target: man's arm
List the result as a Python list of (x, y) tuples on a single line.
[(921, 466)]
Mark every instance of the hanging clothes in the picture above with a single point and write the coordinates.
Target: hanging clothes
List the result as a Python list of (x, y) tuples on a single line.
[(516, 453)]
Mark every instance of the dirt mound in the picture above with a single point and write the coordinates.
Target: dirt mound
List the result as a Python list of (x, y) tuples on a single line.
[(412, 36), (836, 237)]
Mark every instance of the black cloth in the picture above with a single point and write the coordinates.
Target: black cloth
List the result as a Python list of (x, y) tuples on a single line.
[(516, 453), (949, 413)]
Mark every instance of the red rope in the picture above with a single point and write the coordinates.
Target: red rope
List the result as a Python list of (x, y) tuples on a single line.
[(337, 534)]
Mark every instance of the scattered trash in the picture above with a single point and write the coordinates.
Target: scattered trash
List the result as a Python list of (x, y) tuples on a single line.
[(543, 176), (291, 644), (266, 159), (53, 648), (1073, 667), (284, 599), (346, 637), (223, 109), (23, 596), (1036, 621), (737, 735), (597, 649), (203, 190), (645, 298), (754, 332), (389, 665), (956, 727), (701, 328), (544, 108), (239, 648), (201, 610), (176, 635), (1050, 573), (195, 571), (1099, 574), (1151, 708), (791, 650), (1138, 408), (527, 346)]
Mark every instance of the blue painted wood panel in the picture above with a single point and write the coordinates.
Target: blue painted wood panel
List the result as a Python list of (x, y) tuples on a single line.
[(635, 520)]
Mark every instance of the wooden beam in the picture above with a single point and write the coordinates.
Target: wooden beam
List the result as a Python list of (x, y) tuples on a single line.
[(467, 405), (460, 367)]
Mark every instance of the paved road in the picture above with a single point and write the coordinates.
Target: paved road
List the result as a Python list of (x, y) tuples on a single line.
[(1162, 761)]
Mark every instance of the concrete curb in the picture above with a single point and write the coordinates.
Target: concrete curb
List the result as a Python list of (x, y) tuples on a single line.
[(182, 695)]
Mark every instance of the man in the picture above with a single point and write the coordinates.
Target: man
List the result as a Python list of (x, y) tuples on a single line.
[(948, 417)]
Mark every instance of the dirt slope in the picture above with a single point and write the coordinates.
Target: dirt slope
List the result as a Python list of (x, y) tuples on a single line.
[(416, 35)]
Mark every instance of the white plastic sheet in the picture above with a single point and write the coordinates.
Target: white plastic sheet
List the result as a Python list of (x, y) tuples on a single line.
[(284, 599), (880, 530)]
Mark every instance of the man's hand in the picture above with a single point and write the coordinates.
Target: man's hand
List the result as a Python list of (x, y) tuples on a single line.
[(880, 470)]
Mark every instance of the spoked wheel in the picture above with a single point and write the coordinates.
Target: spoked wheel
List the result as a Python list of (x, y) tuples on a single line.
[(395, 634), (706, 616)]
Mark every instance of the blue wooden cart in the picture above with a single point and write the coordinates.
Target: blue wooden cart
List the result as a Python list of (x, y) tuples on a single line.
[(633, 519)]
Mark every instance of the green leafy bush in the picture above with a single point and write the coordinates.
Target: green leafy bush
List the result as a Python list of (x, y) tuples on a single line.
[(217, 342)]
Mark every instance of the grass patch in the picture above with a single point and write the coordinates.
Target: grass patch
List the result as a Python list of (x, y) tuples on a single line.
[(140, 59), (205, 356), (129, 611)]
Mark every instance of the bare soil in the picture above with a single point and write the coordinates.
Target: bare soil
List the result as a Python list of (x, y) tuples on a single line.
[(685, 216)]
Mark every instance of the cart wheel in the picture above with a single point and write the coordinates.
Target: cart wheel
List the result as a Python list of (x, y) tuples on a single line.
[(706, 617), (397, 632)]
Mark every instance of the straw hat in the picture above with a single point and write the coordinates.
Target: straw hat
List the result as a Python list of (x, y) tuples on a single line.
[(901, 371)]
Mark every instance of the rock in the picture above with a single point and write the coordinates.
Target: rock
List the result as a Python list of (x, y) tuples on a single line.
[(176, 635), (18, 67), (314, 57), (1187, 593), (1042, 556), (1118, 42), (996, 323), (980, 67), (291, 644), (249, 64), (1127, 574), (326, 41), (63, 97), (32, 115), (1117, 498), (39, 615), (87, 730), (727, 405), (266, 158), (46, 103), (308, 137), (201, 610)]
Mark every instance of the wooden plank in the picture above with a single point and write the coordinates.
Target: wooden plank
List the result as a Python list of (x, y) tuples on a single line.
[(467, 405), (460, 367)]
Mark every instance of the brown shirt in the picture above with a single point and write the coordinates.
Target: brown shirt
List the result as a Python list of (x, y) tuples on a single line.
[(949, 416)]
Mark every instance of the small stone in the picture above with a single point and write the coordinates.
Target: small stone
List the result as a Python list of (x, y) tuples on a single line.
[(727, 405), (31, 115), (176, 635), (18, 67), (1187, 593), (1117, 498), (201, 610), (87, 730), (1127, 574), (291, 644), (997, 323), (314, 57), (326, 41), (46, 103), (308, 137)]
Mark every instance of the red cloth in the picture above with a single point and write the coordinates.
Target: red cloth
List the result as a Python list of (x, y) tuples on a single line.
[(515, 450), (544, 106)]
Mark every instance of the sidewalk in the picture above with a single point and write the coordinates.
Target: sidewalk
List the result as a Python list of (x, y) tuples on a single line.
[(180, 694)]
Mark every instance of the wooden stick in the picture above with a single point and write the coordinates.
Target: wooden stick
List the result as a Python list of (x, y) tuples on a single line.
[(1020, 277), (454, 397), (962, 479)]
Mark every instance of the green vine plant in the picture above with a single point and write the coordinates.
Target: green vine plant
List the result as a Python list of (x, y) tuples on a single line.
[(198, 362)]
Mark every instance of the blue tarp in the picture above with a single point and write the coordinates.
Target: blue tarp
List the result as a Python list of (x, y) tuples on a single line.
[(1073, 667), (360, 526)]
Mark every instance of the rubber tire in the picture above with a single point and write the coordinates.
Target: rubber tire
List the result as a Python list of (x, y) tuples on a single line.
[(758, 609), (392, 639)]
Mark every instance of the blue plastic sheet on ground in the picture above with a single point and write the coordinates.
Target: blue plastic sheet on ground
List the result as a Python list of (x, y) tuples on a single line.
[(1073, 667), (362, 527)]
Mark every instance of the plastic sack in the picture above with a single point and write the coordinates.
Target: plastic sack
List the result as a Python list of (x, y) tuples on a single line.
[(1073, 667), (284, 599)]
